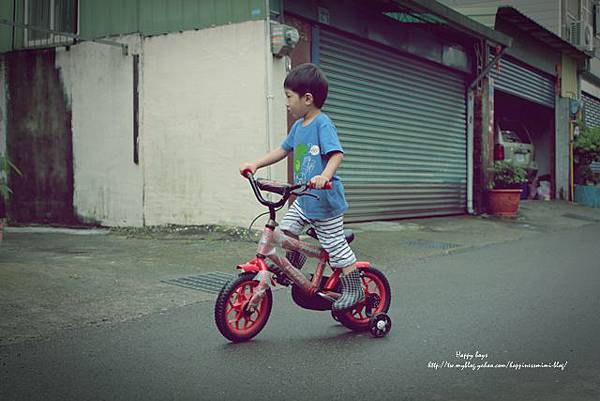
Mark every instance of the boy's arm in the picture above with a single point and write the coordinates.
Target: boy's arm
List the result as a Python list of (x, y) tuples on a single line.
[(333, 163), (270, 158)]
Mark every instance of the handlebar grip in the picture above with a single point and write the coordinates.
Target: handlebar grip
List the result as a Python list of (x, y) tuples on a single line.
[(328, 185), (246, 173)]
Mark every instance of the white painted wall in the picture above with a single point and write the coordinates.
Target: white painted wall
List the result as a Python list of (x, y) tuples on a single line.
[(98, 81), (204, 112)]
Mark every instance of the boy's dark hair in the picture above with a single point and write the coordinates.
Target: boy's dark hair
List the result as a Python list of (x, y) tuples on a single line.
[(308, 78)]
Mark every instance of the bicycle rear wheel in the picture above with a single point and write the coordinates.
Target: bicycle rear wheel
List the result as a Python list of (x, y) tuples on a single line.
[(233, 319), (377, 290)]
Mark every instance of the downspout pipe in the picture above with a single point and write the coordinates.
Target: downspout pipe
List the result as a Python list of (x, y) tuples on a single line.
[(470, 127), (268, 82)]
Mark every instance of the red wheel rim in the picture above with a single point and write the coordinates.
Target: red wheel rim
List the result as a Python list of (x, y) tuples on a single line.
[(371, 285), (239, 321)]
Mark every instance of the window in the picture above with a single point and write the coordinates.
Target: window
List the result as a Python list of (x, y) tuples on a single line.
[(55, 15)]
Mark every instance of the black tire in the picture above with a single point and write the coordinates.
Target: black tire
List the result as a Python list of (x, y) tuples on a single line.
[(242, 286), (356, 318)]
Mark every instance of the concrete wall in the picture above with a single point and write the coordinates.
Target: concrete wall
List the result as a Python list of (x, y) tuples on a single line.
[(205, 106), (3, 111), (98, 81), (3, 123), (204, 112), (530, 50)]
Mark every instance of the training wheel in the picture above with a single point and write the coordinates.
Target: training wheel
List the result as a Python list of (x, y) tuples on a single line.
[(380, 325)]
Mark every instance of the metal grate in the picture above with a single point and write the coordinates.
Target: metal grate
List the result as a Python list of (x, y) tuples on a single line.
[(208, 282), (424, 244)]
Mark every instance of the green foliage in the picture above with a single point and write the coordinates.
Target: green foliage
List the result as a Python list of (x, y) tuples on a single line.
[(586, 149), (508, 175), (5, 166)]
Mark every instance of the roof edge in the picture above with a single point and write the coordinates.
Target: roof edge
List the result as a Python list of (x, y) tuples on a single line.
[(457, 19), (561, 44)]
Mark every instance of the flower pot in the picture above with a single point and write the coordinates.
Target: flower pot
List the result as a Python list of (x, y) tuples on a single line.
[(504, 202)]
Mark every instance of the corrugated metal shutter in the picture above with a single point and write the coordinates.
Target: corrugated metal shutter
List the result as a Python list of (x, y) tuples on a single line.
[(403, 127), (591, 105), (524, 82)]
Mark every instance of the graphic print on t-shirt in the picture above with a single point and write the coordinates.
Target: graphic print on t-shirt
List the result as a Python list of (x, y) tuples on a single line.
[(304, 162)]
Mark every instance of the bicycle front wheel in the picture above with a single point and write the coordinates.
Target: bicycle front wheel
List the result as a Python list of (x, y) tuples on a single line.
[(233, 318)]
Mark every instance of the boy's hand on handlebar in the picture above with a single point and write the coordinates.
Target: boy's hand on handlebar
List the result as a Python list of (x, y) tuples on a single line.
[(319, 182), (248, 167)]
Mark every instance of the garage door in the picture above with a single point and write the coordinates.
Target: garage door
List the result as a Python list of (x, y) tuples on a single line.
[(591, 107), (519, 80), (402, 124)]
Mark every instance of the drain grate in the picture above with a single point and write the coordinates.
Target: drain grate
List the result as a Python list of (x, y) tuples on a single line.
[(208, 282), (424, 244)]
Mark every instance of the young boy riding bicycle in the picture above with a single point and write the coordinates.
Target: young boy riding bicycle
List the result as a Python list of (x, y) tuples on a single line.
[(317, 155)]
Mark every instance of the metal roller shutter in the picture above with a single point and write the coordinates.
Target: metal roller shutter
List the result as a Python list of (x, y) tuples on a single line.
[(591, 106), (524, 82), (403, 127)]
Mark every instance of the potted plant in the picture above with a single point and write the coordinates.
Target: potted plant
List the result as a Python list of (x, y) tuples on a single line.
[(586, 150), (5, 191), (505, 191)]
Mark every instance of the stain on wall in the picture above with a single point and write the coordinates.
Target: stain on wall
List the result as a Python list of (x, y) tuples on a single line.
[(39, 140)]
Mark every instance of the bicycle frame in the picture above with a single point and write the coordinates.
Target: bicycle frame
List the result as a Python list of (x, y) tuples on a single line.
[(274, 238)]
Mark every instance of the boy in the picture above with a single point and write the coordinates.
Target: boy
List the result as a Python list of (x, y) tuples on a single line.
[(317, 155)]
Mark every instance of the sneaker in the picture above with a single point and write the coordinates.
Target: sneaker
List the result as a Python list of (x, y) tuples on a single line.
[(352, 292)]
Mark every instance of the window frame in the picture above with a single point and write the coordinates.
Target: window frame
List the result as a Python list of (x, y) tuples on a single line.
[(52, 39)]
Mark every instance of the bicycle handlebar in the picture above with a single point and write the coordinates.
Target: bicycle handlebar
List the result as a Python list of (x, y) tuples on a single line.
[(287, 191)]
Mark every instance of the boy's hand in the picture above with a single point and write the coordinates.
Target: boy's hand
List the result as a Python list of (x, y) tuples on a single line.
[(318, 181), (248, 166)]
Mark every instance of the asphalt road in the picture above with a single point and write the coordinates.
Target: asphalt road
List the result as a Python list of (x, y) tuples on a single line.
[(530, 305)]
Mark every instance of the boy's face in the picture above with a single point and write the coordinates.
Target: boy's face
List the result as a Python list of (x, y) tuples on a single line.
[(298, 105)]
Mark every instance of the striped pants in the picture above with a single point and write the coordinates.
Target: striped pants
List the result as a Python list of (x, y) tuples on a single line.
[(330, 233)]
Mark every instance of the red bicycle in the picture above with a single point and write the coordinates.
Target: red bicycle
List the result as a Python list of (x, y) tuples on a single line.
[(244, 304)]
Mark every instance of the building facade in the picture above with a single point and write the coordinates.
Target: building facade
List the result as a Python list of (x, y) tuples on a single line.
[(139, 114), (565, 29)]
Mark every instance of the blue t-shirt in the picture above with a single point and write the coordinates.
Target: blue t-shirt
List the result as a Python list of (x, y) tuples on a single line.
[(312, 146)]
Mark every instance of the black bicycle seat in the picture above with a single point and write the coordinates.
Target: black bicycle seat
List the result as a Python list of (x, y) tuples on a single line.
[(272, 186), (347, 233)]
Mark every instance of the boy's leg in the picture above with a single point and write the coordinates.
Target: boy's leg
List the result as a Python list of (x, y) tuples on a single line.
[(331, 236), (294, 221), (292, 225)]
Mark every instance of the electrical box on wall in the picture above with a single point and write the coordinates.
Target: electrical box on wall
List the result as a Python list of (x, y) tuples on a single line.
[(283, 39)]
